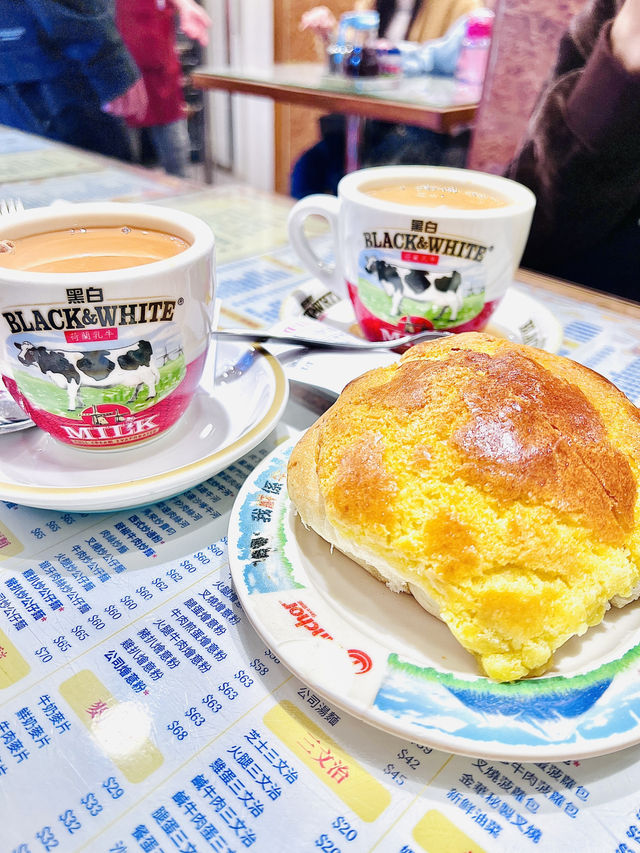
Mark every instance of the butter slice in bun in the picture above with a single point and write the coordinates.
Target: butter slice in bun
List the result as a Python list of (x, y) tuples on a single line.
[(496, 483)]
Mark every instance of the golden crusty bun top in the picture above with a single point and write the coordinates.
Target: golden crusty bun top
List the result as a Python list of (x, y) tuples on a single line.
[(495, 481)]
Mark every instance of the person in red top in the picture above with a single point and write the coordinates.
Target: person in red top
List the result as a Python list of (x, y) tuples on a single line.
[(147, 28)]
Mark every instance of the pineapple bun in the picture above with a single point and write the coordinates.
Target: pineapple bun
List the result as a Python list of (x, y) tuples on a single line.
[(494, 482)]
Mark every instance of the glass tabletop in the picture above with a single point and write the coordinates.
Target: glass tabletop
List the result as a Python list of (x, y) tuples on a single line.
[(428, 90)]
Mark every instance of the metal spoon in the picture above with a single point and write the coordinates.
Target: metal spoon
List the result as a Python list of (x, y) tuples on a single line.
[(12, 417), (255, 335)]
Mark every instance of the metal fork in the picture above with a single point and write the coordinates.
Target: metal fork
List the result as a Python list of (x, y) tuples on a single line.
[(10, 205)]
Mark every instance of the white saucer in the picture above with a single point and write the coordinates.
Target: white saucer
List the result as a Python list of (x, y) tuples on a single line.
[(518, 317), (220, 426), (524, 320)]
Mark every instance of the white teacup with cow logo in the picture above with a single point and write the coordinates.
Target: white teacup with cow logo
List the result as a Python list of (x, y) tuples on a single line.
[(408, 267), (107, 359)]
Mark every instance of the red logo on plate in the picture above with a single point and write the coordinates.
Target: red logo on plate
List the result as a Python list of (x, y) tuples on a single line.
[(306, 618), (361, 659)]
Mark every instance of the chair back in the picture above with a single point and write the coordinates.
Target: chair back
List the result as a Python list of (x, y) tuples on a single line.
[(526, 34)]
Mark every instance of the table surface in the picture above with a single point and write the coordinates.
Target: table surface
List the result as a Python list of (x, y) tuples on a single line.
[(432, 101), (119, 732)]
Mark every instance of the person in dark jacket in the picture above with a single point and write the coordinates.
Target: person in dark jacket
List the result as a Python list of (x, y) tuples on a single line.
[(581, 156), (65, 74)]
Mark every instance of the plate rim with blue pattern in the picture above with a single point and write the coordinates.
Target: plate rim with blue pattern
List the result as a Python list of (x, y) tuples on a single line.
[(280, 569)]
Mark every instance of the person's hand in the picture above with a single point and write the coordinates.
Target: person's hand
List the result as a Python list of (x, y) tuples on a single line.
[(625, 35), (131, 104), (320, 20), (193, 20)]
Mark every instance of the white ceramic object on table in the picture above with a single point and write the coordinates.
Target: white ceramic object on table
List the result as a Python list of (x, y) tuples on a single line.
[(221, 425)]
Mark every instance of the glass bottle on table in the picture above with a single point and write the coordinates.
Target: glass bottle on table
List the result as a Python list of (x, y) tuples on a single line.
[(358, 32)]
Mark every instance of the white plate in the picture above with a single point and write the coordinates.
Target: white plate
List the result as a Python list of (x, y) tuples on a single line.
[(381, 657), (220, 426), (519, 317), (522, 319)]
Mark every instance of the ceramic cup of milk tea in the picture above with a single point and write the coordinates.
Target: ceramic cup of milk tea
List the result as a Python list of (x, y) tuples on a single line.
[(418, 247), (105, 318)]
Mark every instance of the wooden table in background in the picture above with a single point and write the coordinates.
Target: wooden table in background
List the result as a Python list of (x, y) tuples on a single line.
[(438, 103)]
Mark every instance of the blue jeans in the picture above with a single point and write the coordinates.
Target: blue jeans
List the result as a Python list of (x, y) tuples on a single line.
[(172, 145)]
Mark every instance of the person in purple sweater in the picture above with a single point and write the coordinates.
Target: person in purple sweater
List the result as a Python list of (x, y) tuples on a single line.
[(581, 156)]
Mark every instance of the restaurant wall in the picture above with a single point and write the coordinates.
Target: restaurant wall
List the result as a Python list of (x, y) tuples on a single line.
[(218, 104), (257, 140), (241, 127)]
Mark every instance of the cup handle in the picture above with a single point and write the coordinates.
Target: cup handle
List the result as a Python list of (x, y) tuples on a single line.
[(326, 206)]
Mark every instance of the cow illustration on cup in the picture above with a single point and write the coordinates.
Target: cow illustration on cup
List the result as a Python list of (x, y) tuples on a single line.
[(132, 367), (419, 285)]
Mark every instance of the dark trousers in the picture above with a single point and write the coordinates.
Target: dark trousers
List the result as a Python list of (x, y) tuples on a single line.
[(320, 168)]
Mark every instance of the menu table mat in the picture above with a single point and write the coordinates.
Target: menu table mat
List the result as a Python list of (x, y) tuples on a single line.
[(104, 184), (246, 222), (139, 711), (39, 171)]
